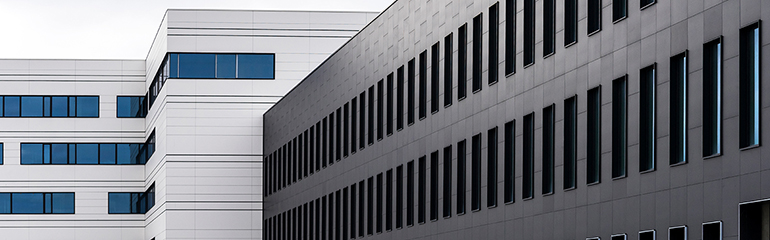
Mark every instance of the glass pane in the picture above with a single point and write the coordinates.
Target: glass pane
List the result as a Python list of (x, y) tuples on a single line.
[(173, 61), (31, 153), (63, 203), (26, 203), (46, 153), (47, 203), (256, 66), (124, 153), (106, 153), (12, 106), (59, 154), (119, 203), (226, 66), (88, 153), (59, 106), (88, 107), (31, 106), (196, 65), (131, 107), (5, 203), (46, 106), (2, 153)]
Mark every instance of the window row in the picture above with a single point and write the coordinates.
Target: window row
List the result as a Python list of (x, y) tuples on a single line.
[(132, 202), (88, 153), (37, 203), (49, 106)]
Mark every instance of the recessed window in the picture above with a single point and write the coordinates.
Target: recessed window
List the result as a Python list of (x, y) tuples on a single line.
[(410, 193), (619, 12), (37, 203), (410, 93), (754, 218), (337, 215), (421, 189), (494, 36), (448, 70), (345, 135), (447, 205), (528, 165), (423, 106), (318, 149), (594, 16), (749, 86), (370, 117), (389, 200), (570, 22), (510, 148), (548, 149), (400, 98), (647, 112), (131, 107), (510, 37), (712, 98), (361, 208), (677, 233), (434, 77), (549, 20), (570, 142), (492, 167), (646, 3), (461, 177), (434, 186), (369, 206), (311, 149), (331, 138), (380, 110), (712, 230), (462, 61), (619, 126), (389, 104), (325, 139), (594, 133), (362, 117), (131, 202), (529, 32), (338, 135), (477, 31), (621, 236), (400, 196), (679, 109), (379, 202), (476, 172)]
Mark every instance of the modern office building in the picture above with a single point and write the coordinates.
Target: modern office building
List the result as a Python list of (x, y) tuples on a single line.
[(530, 119), (167, 147)]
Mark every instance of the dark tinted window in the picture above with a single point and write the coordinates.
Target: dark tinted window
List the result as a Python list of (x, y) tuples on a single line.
[(389, 105), (594, 16), (400, 196), (492, 167), (12, 106), (399, 98), (510, 150), (570, 22), (31, 106), (529, 32), (197, 65), (410, 93), (389, 200), (410, 193), (87, 106), (370, 118), (712, 98), (548, 149), (423, 105), (528, 185), (510, 37), (594, 133), (434, 77), (27, 203), (712, 231), (448, 68), (132, 107), (647, 112), (421, 189), (619, 126), (380, 110), (462, 61), (678, 114), (619, 10), (447, 205), (646, 3), (494, 38), (677, 233), (434, 186), (476, 172), (549, 24), (461, 177), (37, 203), (570, 142), (749, 86), (477, 44)]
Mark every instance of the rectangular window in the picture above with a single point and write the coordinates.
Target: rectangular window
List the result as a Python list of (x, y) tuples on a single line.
[(594, 129), (647, 235), (379, 203), (423, 107), (528, 166), (548, 147), (570, 142), (318, 146), (448, 70), (476, 172), (331, 137), (434, 186), (400, 196), (750, 67), (50, 106), (677, 233), (494, 38), (510, 37), (461, 177), (128, 106), (621, 236), (380, 112), (646, 3), (678, 109), (198, 65), (434, 77), (37, 203), (353, 210), (311, 149), (647, 112), (337, 217), (447, 205), (131, 202), (361, 208), (492, 167), (87, 153), (712, 98), (421, 194), (476, 71), (594, 16), (389, 104), (400, 98), (326, 228), (325, 139), (410, 93), (549, 26), (362, 118), (619, 126), (462, 61), (345, 135), (338, 135), (370, 206), (712, 231), (389, 200), (570, 22), (510, 148), (619, 11), (529, 32), (410, 193), (370, 117)]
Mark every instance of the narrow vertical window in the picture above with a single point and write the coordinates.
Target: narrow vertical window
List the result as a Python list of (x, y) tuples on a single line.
[(677, 233), (370, 206), (619, 10), (712, 98), (476, 172), (324, 220), (400, 196), (447, 205), (423, 105), (434, 77), (528, 165), (510, 148), (548, 122), (353, 125), (461, 177), (646, 3), (462, 61), (389, 200), (389, 104), (324, 138), (619, 126), (647, 112), (380, 112), (494, 36), (594, 136), (421, 194), (570, 142), (712, 231), (370, 117), (477, 44), (362, 117), (749, 86), (345, 215), (678, 117), (361, 208), (338, 136), (549, 24), (317, 151), (492, 167), (400, 98), (410, 93), (529, 32), (594, 16), (378, 213), (353, 210), (306, 153), (331, 138), (434, 186), (410, 193), (570, 22), (510, 37), (337, 214), (448, 70)]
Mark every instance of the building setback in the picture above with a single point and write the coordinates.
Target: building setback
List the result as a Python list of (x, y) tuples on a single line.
[(168, 147), (530, 119)]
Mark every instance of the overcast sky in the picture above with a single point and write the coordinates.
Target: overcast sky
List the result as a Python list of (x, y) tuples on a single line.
[(118, 29)]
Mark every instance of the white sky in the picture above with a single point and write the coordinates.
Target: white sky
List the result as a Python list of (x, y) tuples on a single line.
[(118, 29)]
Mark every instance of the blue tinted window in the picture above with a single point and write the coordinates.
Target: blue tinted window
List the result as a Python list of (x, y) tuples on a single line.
[(5, 203), (106, 153), (46, 153), (58, 153), (31, 106), (27, 203), (31, 153), (58, 106), (47, 202), (256, 66), (173, 62), (197, 65), (131, 107), (119, 203), (88, 107), (63, 203), (2, 153), (12, 106), (226, 66), (73, 106), (88, 153)]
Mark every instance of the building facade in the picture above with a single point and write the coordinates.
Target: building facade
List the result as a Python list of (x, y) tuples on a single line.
[(530, 119), (167, 147)]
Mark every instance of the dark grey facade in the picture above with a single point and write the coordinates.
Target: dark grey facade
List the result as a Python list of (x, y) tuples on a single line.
[(530, 119)]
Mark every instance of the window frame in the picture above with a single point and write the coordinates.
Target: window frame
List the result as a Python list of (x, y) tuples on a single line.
[(718, 92)]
